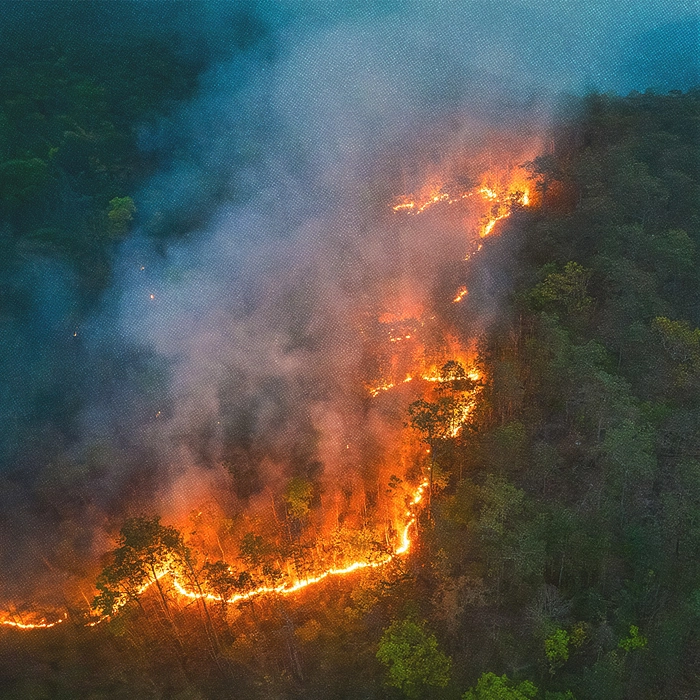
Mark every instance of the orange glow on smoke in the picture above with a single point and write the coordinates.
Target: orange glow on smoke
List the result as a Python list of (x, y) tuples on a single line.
[(403, 547), (499, 200)]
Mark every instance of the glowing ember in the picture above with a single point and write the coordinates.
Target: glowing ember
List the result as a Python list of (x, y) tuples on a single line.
[(414, 206), (491, 223), (488, 193), (385, 386), (398, 338), (461, 293), (375, 390)]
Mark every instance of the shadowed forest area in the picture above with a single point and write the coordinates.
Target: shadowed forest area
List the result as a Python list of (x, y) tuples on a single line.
[(558, 557)]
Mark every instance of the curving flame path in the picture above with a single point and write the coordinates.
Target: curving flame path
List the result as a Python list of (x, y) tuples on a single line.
[(289, 588), (502, 199), (284, 589)]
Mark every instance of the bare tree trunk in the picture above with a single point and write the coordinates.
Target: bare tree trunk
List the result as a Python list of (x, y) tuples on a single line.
[(209, 628)]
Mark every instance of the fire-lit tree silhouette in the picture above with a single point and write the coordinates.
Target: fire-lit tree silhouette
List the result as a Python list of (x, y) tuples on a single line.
[(146, 551), (441, 419)]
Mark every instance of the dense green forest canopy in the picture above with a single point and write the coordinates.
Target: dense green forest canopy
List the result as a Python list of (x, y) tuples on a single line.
[(78, 91)]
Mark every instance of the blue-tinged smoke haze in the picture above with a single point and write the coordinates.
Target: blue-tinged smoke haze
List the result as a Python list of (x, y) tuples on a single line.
[(233, 330)]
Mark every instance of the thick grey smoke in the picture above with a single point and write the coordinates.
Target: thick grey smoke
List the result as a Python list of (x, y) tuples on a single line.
[(243, 340), (260, 313)]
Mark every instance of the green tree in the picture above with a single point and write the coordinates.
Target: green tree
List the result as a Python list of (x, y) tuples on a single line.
[(22, 180), (260, 557), (634, 640), (672, 253), (493, 687), (221, 581), (505, 447), (556, 648), (255, 550), (120, 214), (504, 390), (682, 344), (501, 501), (629, 459), (565, 290), (414, 661), (298, 496), (424, 417), (438, 420)]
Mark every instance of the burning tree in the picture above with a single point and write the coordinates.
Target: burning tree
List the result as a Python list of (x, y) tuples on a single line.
[(222, 583), (146, 552), (443, 418)]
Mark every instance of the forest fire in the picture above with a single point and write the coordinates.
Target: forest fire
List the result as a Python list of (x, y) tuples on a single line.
[(451, 384), (288, 588), (501, 198), (385, 364)]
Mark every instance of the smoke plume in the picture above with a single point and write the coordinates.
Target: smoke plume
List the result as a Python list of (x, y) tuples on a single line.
[(235, 344)]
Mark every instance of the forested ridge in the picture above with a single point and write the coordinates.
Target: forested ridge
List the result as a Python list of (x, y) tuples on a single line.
[(75, 101), (559, 556), (71, 115)]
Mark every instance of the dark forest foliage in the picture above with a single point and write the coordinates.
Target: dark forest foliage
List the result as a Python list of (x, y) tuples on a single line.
[(73, 100), (560, 559)]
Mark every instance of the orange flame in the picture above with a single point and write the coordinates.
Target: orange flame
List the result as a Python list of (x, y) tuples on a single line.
[(503, 198), (375, 390), (461, 293), (408, 205), (7, 619), (289, 588), (283, 589)]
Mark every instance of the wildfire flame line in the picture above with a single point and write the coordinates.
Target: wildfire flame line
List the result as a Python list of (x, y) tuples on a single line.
[(33, 625), (409, 206), (502, 200), (487, 193), (289, 588), (283, 589)]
